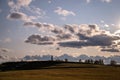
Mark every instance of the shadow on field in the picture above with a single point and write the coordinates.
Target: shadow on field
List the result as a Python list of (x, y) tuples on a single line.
[(30, 65)]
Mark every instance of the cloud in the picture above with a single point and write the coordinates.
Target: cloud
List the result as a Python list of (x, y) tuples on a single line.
[(57, 30), (39, 13), (41, 26), (106, 25), (20, 7), (40, 40), (102, 40), (76, 36), (110, 50), (65, 36), (49, 1), (117, 32), (88, 1), (24, 2), (63, 12), (92, 41), (90, 35), (107, 1), (16, 6), (5, 55), (18, 16), (4, 50), (72, 28)]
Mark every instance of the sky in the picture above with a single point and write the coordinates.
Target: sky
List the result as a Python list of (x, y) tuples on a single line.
[(56, 27)]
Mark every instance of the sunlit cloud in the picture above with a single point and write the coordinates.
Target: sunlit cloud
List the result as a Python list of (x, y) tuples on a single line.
[(107, 1), (49, 1), (77, 36), (15, 6), (106, 25), (16, 11), (64, 12), (88, 1)]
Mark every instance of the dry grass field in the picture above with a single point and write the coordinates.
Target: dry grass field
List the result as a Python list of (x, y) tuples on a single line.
[(65, 71)]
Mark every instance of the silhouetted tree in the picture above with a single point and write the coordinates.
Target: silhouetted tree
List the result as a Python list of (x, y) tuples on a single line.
[(96, 62), (51, 58), (80, 60), (113, 62), (100, 61), (89, 61), (66, 60)]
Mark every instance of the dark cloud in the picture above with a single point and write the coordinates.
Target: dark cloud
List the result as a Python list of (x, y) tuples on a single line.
[(72, 44), (49, 27), (110, 50), (18, 16), (97, 40), (94, 26), (3, 53), (28, 24), (64, 36), (57, 31), (101, 40), (82, 36), (71, 28), (75, 36), (40, 40)]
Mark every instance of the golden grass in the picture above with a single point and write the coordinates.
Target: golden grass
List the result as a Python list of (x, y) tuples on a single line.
[(99, 73)]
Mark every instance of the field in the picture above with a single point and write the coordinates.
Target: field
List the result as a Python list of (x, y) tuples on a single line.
[(65, 71)]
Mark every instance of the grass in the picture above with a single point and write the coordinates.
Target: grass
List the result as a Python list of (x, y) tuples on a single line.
[(65, 71)]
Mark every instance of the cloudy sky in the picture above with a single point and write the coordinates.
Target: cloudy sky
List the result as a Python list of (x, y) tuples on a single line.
[(56, 27)]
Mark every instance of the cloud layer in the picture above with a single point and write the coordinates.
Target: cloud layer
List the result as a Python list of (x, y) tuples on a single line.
[(106, 1), (76, 36), (40, 40)]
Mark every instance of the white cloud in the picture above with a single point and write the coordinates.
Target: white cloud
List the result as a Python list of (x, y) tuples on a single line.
[(39, 13), (107, 1), (24, 2), (49, 1), (117, 32), (63, 12), (102, 21), (16, 6), (88, 1), (106, 25)]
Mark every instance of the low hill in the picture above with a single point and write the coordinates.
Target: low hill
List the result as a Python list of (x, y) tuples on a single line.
[(57, 70)]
